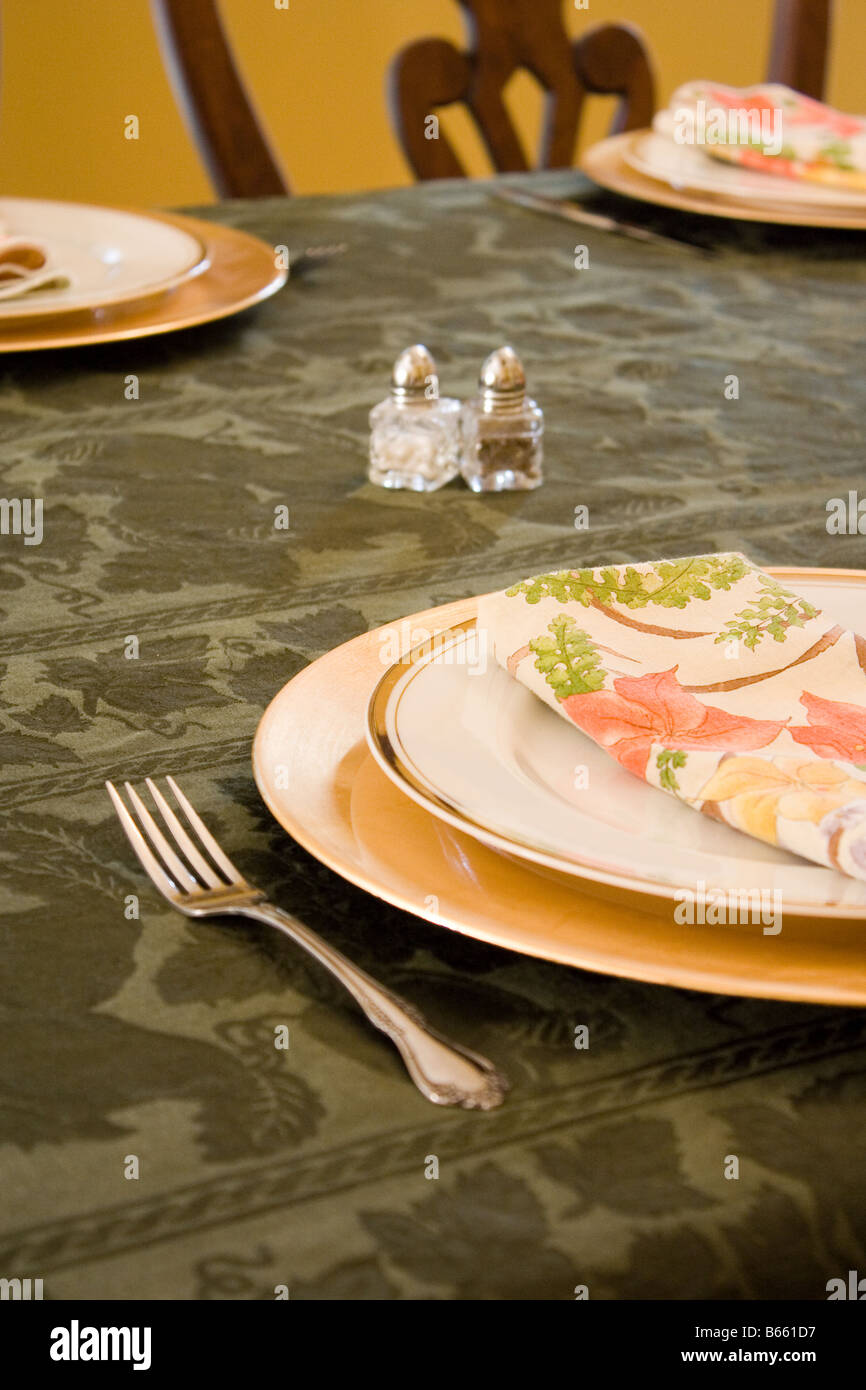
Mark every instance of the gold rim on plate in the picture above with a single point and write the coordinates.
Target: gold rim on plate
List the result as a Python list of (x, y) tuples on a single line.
[(317, 776), (606, 165), (241, 271)]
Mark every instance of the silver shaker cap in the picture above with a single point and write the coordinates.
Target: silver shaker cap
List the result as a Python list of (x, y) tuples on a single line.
[(502, 382), (414, 373)]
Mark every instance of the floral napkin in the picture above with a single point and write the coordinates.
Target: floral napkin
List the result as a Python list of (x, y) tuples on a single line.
[(710, 680), (25, 266), (770, 128)]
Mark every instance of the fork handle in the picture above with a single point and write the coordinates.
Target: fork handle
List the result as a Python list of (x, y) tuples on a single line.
[(445, 1072)]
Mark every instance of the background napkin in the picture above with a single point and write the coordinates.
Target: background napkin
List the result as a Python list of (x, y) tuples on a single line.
[(710, 680), (819, 144), (24, 267)]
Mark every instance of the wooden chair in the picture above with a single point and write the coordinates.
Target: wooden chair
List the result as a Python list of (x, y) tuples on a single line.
[(800, 44), (214, 101), (504, 36)]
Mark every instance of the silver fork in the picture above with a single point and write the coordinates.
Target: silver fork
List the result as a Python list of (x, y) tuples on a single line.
[(446, 1072)]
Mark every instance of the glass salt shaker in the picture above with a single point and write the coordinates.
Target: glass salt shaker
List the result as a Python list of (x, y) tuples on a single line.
[(502, 429), (415, 432)]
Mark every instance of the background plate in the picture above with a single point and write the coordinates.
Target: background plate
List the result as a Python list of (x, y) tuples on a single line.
[(688, 167), (606, 164), (112, 256), (240, 272)]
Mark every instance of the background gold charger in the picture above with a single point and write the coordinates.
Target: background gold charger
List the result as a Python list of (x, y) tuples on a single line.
[(242, 270)]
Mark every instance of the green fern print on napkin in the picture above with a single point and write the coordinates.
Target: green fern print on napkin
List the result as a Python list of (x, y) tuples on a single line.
[(771, 615), (666, 762), (568, 660), (667, 583)]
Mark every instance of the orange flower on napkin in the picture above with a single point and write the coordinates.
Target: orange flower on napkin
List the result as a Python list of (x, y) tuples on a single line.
[(835, 730), (642, 711)]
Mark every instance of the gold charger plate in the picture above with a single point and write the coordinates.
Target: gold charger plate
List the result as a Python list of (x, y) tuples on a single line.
[(605, 164), (241, 272), (315, 773)]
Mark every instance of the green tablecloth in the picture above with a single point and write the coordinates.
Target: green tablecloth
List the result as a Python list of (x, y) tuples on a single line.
[(152, 1037)]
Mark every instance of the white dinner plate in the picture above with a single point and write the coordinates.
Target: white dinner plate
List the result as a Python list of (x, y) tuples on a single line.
[(112, 257), (689, 167), (477, 749)]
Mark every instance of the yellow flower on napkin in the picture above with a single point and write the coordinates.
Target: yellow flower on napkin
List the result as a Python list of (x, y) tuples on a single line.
[(759, 790)]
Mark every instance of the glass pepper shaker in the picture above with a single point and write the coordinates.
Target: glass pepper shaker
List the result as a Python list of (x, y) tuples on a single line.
[(414, 432), (502, 429)]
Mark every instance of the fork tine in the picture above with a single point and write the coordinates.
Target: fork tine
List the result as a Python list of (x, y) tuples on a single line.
[(182, 876), (146, 858), (198, 861), (204, 835)]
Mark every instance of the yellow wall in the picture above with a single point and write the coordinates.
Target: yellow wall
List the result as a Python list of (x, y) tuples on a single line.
[(73, 71)]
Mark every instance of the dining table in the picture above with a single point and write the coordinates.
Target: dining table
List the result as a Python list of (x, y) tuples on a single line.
[(208, 531)]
